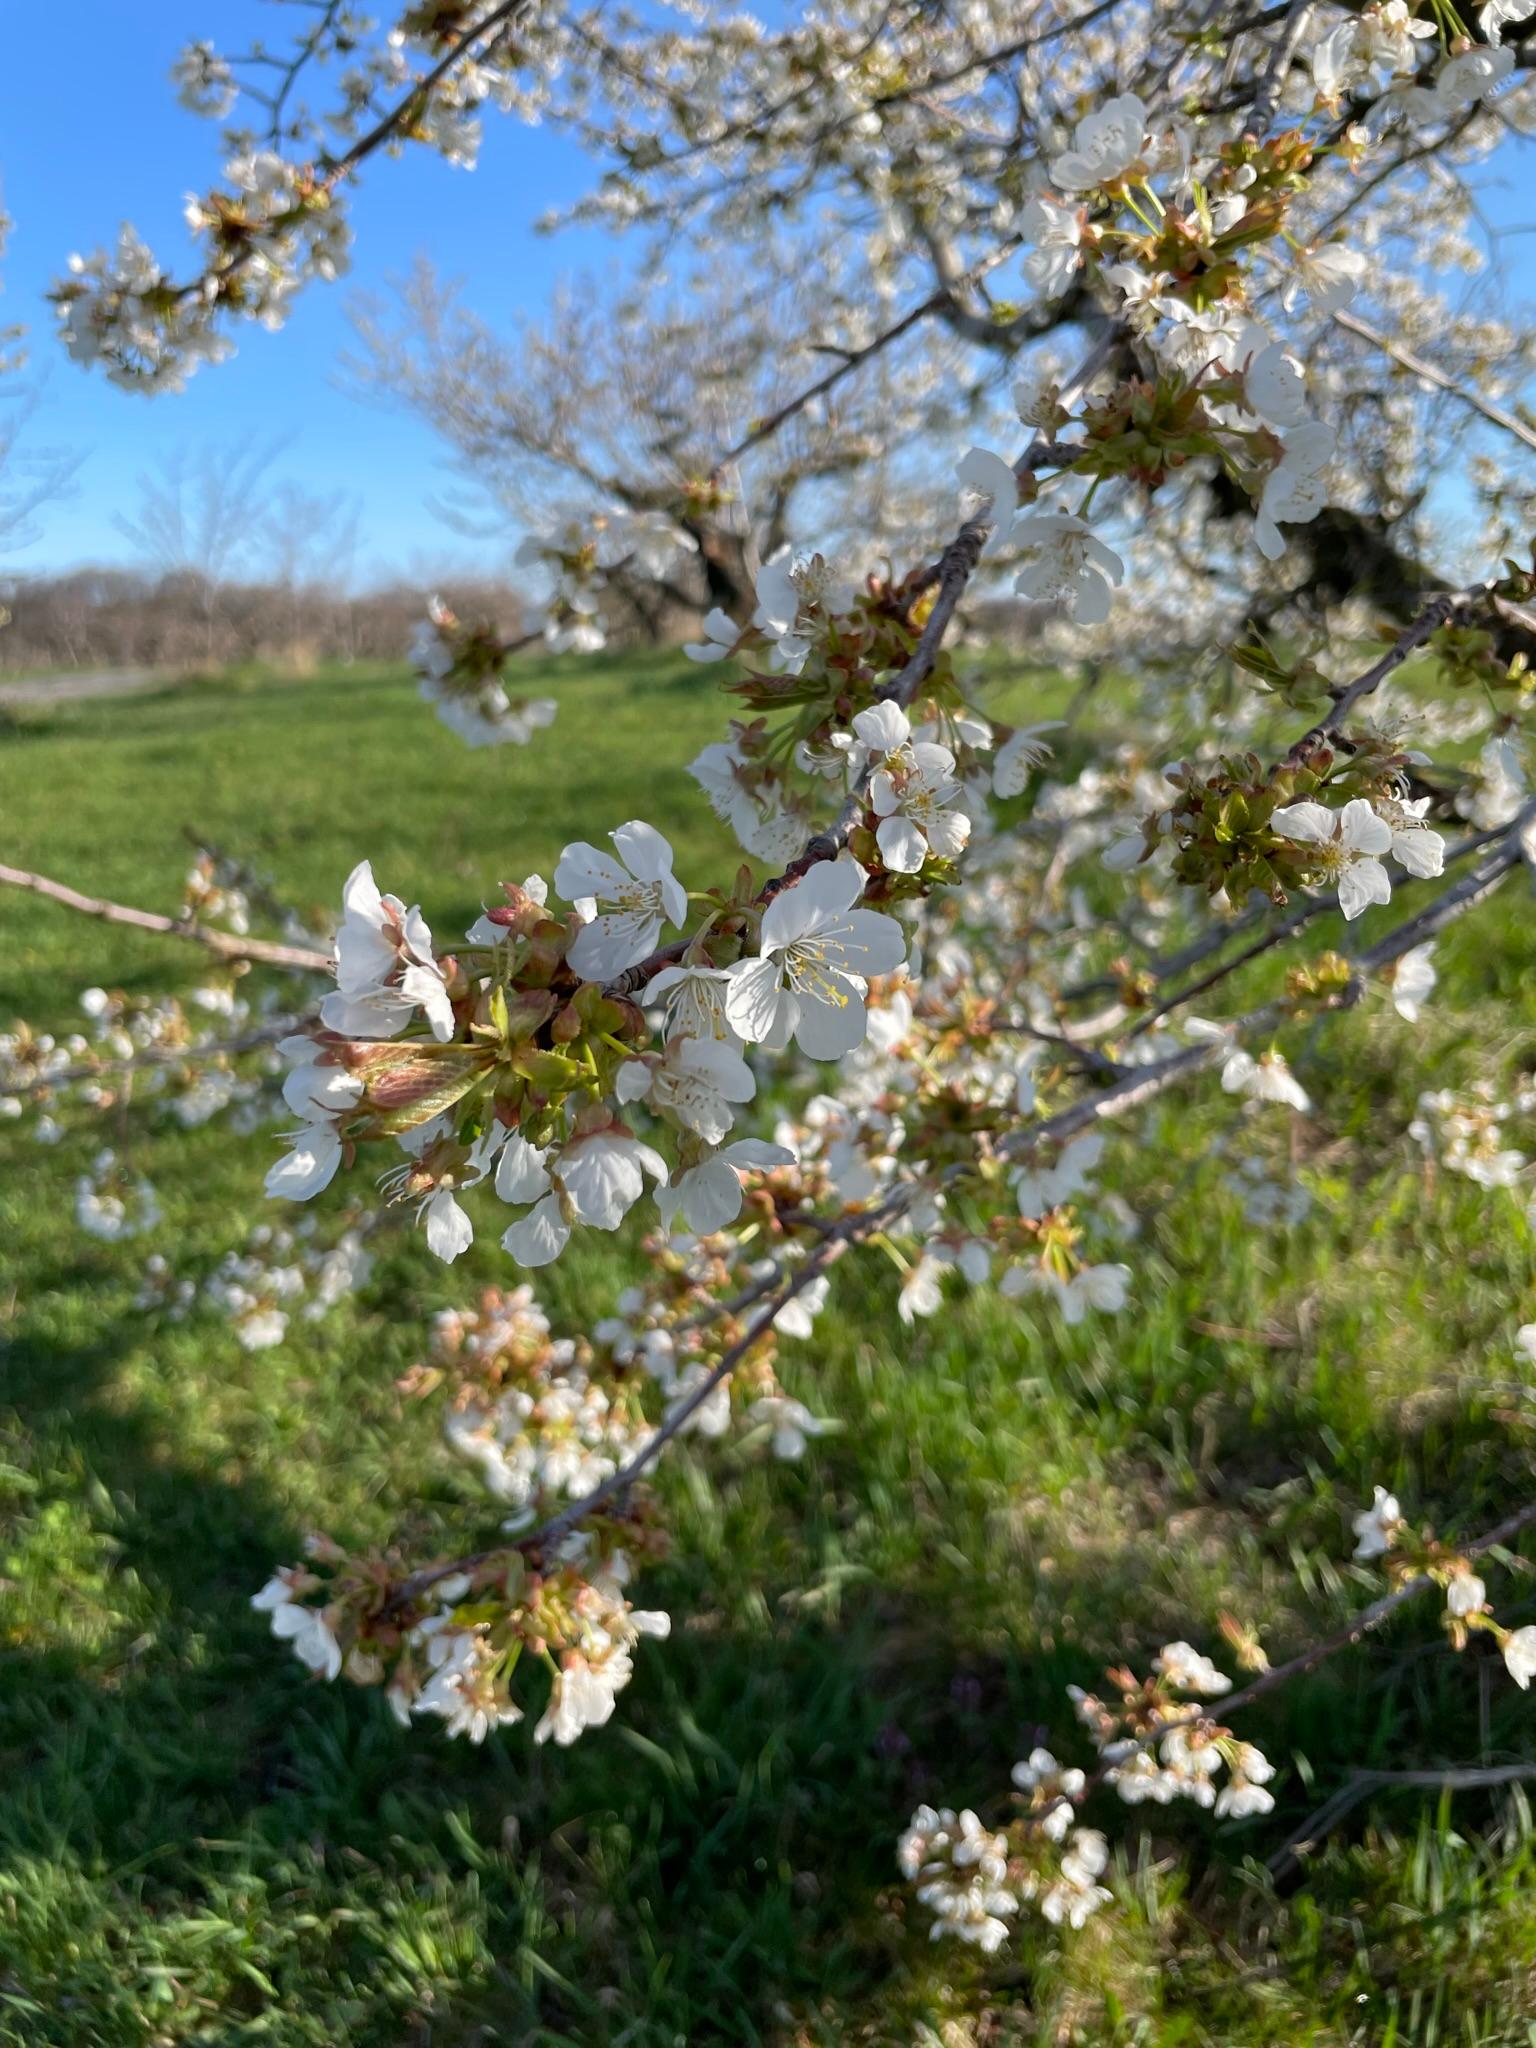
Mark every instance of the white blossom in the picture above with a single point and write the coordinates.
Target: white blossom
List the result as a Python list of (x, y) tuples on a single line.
[(625, 906)]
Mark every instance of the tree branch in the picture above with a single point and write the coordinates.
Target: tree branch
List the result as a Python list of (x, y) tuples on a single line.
[(226, 945)]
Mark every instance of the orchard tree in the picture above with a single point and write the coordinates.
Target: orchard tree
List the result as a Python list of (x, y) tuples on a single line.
[(1204, 249)]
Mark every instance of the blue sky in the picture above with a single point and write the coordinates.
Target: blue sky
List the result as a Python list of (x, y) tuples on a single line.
[(91, 135)]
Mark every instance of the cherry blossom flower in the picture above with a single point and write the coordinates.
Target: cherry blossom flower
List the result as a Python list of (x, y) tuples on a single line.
[(1275, 386), (817, 952), (1376, 1527), (721, 634), (1414, 846), (796, 591), (798, 1315), (305, 1627), (1497, 16), (1465, 1594), (462, 1690), (1413, 982), (1348, 843), (697, 1080), (912, 791), (595, 1179), (748, 802), (1055, 236), (1068, 564), (1327, 278), (1187, 1670), (624, 906), (1520, 1655), (1107, 146), (791, 1421), (708, 1195), (695, 1002), (991, 478), (1464, 78), (1294, 490), (1267, 1078), (1092, 1287), (385, 966), (1368, 50), (1075, 1895)]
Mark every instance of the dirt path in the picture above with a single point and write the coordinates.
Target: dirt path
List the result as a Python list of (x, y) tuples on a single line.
[(69, 689)]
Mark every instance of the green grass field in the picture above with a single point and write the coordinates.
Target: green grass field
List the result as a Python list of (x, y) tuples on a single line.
[(199, 1844)]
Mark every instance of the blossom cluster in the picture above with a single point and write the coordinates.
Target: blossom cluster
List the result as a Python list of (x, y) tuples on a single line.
[(1466, 1133), (259, 1290), (1153, 1745), (463, 677), (1384, 1536)]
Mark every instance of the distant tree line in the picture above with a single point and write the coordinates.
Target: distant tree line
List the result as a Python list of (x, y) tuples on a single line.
[(178, 619)]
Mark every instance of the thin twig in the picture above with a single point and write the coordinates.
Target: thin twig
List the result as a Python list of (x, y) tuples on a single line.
[(1420, 367), (226, 945)]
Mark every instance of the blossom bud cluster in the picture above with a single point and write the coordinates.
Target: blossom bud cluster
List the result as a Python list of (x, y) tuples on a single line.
[(1152, 1746), (463, 676)]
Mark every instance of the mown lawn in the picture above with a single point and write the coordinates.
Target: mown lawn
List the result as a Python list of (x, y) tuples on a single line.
[(198, 1844)]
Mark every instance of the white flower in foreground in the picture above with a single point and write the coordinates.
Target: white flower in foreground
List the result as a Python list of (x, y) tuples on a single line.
[(1327, 278), (628, 904), (1276, 387), (1376, 1527), (1465, 1594), (1186, 1670), (990, 477), (1461, 81), (1520, 1655), (1055, 236), (795, 591), (708, 1196), (1414, 845), (1068, 564), (596, 1179), (1348, 844), (1106, 147), (1022, 751), (912, 791), (1413, 982), (721, 634), (1493, 19), (817, 952), (695, 1002), (305, 1627), (1295, 489), (698, 1080), (385, 967), (1525, 1340)]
